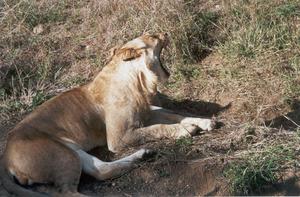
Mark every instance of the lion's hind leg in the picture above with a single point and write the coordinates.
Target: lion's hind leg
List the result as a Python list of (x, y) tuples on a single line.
[(42, 159), (102, 170)]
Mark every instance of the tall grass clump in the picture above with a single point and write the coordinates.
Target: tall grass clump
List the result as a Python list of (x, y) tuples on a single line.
[(54, 44), (258, 169), (188, 27), (258, 28), (261, 43)]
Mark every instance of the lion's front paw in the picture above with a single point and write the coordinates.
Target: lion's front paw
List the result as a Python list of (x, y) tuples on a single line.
[(187, 130), (206, 124), (202, 123)]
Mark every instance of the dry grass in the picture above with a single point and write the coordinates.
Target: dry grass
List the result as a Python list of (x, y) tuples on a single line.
[(50, 45), (240, 52), (254, 65)]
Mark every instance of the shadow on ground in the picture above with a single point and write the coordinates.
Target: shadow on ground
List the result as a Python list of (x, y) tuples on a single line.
[(289, 121), (290, 186), (199, 108)]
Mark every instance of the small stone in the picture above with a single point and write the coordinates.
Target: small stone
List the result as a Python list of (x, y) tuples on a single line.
[(38, 29)]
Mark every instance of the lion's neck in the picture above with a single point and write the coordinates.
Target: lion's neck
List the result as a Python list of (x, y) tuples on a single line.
[(128, 78)]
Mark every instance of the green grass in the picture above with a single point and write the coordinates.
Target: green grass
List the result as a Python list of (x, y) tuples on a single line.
[(259, 27), (190, 72), (259, 44), (35, 59), (289, 9), (33, 13), (291, 77), (258, 169), (184, 144), (28, 104), (186, 141), (38, 99), (256, 45)]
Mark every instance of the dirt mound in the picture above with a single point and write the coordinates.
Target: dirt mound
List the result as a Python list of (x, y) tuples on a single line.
[(169, 174), (191, 167), (185, 179)]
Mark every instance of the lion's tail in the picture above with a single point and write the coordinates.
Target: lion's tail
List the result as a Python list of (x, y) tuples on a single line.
[(12, 187)]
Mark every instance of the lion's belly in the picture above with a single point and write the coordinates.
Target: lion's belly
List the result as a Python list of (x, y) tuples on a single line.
[(98, 138), (91, 137), (86, 142)]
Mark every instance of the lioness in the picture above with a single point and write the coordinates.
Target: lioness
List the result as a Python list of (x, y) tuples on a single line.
[(50, 145)]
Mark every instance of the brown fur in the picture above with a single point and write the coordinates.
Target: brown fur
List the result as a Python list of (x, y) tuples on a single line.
[(49, 144)]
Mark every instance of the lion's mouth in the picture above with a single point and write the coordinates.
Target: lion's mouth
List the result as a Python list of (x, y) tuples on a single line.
[(165, 47), (165, 70)]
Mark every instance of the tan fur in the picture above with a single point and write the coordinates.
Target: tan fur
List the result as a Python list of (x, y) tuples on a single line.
[(50, 144)]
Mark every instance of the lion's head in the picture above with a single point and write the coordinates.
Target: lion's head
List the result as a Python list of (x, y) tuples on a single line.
[(148, 47)]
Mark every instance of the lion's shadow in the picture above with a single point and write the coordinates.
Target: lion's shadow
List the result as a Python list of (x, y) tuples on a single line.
[(186, 106)]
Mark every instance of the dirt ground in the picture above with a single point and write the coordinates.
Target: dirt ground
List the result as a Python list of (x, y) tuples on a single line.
[(186, 168), (250, 85)]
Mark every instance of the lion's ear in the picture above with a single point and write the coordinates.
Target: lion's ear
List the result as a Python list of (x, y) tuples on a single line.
[(128, 54)]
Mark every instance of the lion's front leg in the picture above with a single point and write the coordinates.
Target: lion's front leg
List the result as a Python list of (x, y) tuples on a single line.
[(204, 124), (150, 133), (171, 131), (122, 132), (161, 115)]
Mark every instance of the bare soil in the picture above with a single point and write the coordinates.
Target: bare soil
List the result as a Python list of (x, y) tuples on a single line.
[(242, 93), (192, 168)]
